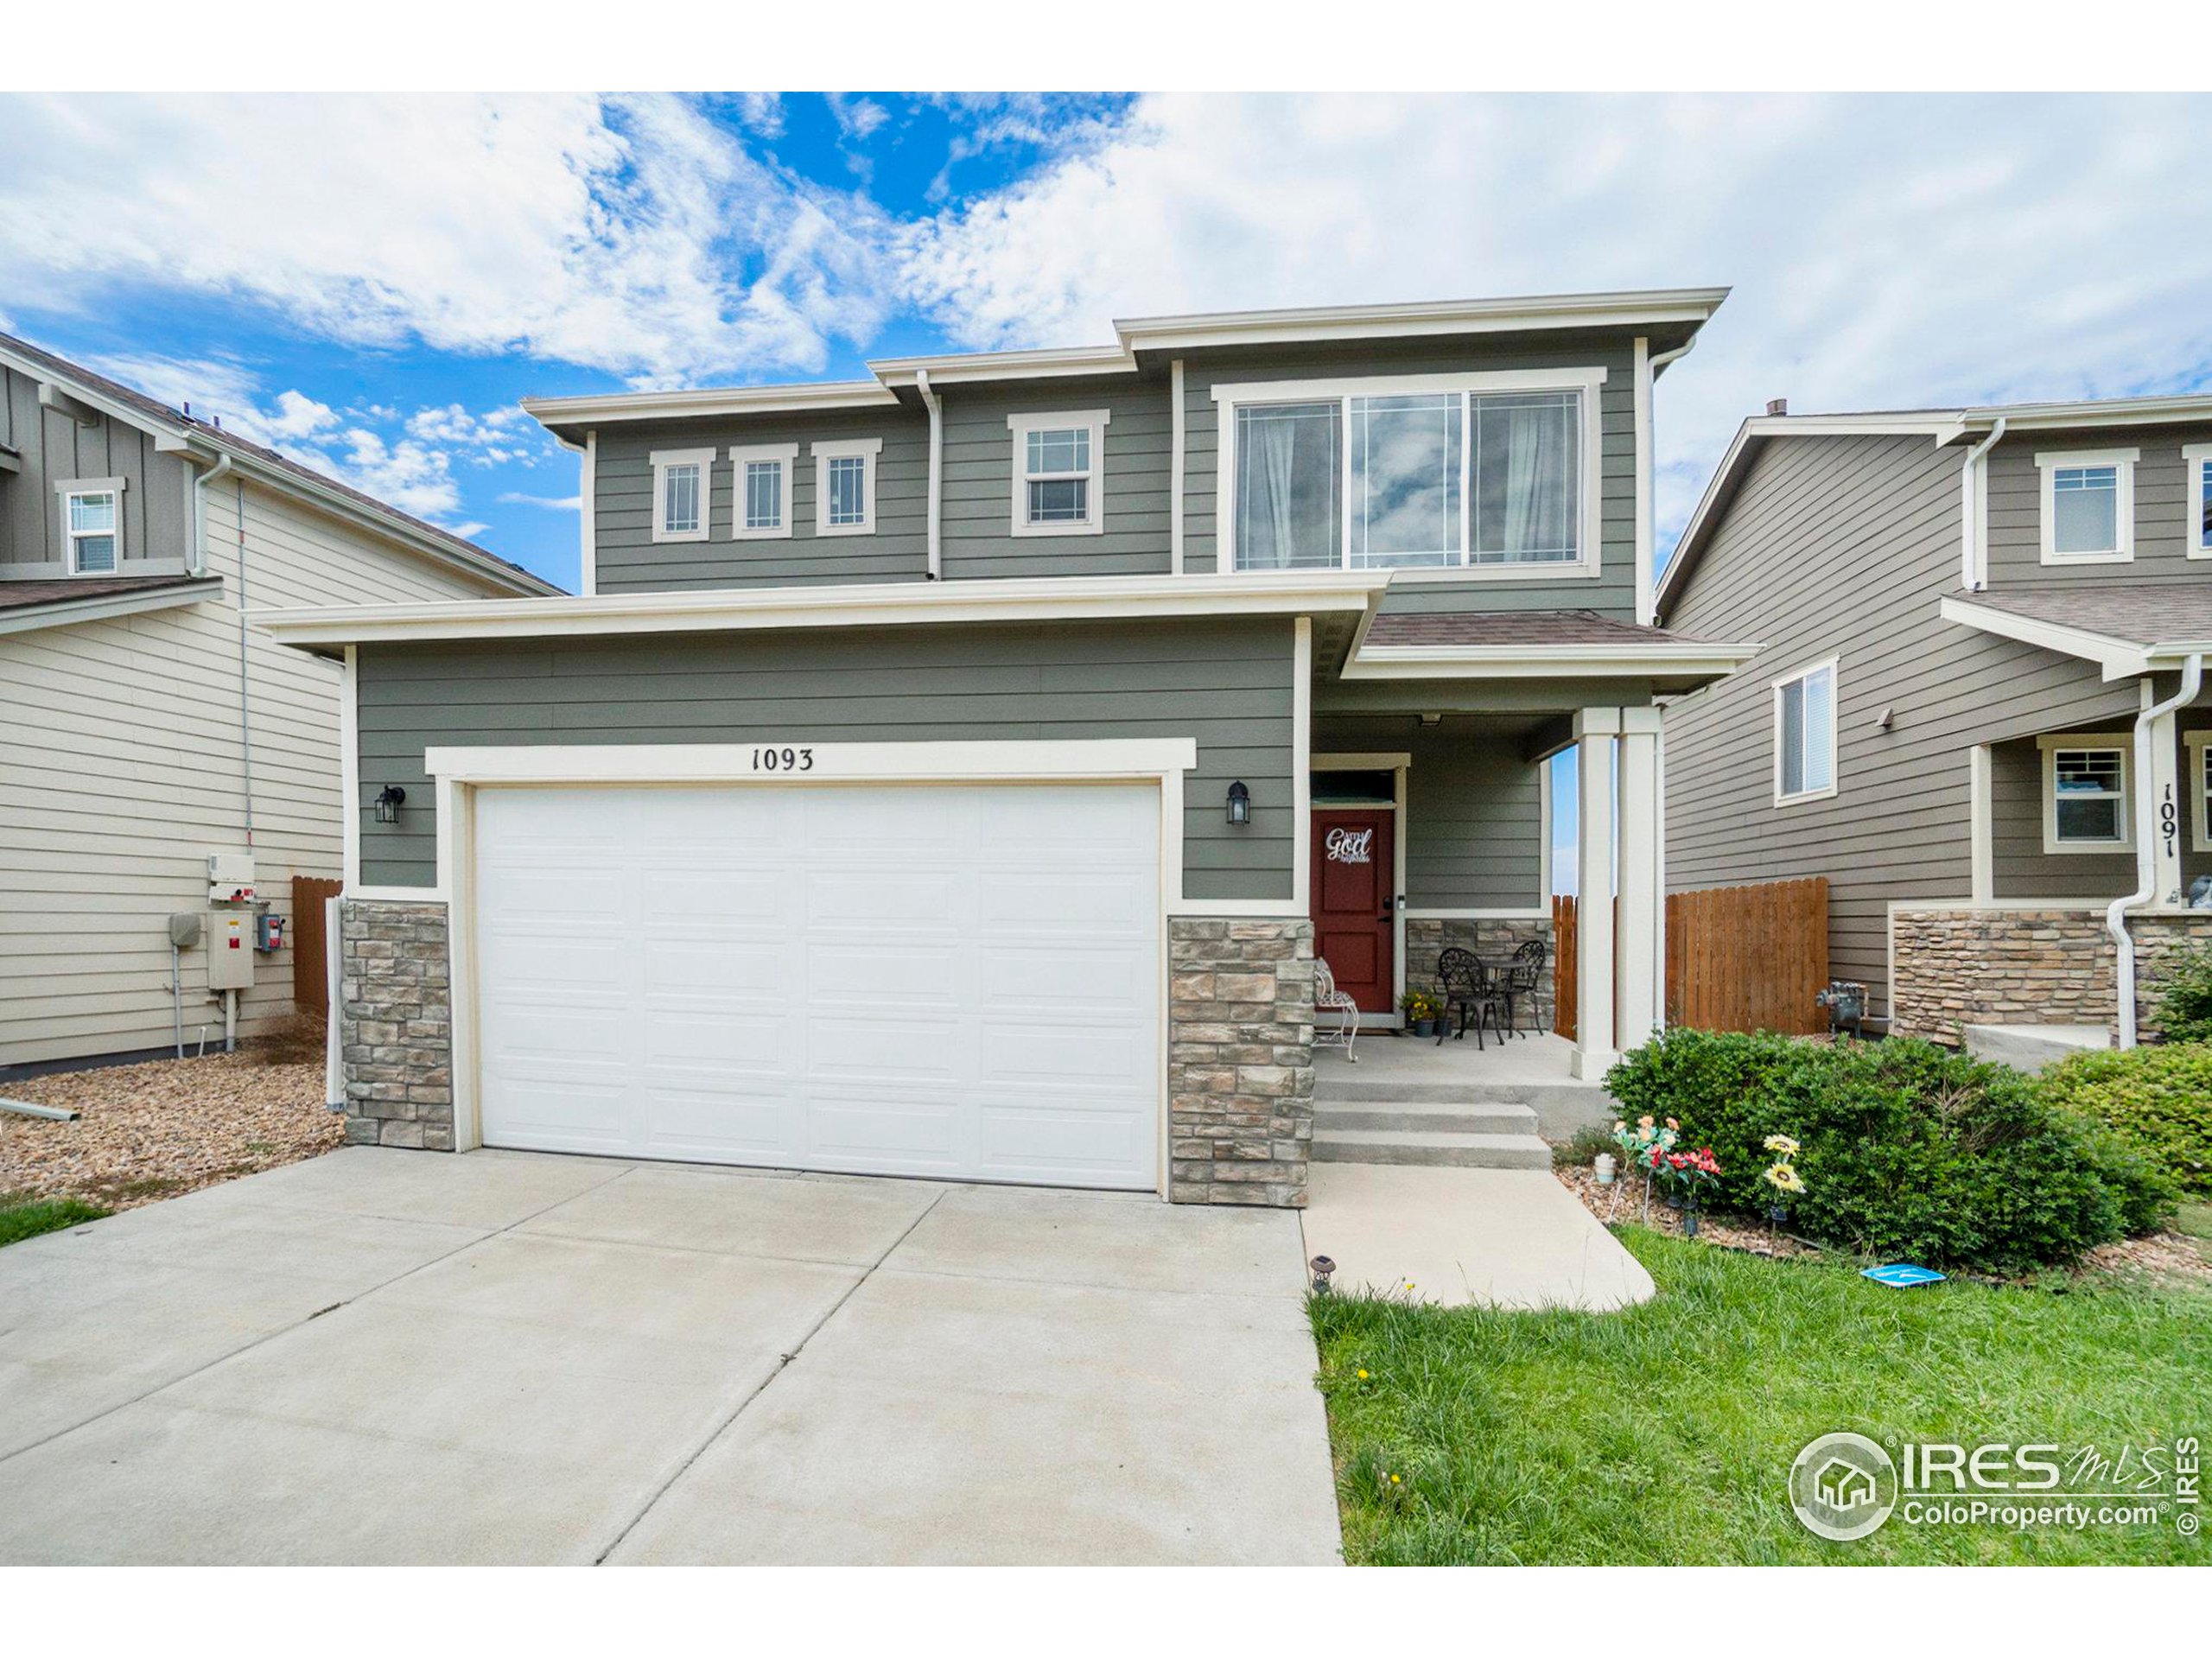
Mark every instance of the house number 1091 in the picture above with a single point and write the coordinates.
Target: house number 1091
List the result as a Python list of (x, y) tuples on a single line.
[(783, 759)]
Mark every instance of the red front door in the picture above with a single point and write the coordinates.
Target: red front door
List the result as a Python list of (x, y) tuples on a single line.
[(1354, 857)]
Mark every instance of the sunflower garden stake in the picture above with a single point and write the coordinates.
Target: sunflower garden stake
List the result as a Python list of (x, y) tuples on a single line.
[(1783, 1178), (1645, 1147)]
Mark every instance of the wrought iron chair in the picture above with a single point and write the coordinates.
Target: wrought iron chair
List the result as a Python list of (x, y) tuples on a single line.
[(1471, 991), (1524, 977), (1327, 999)]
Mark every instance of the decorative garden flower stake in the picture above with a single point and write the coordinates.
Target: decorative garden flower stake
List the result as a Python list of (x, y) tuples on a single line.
[(1646, 1148), (1783, 1177), (1693, 1171)]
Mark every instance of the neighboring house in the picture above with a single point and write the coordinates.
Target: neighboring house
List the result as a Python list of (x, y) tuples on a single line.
[(144, 728), (1966, 616), (951, 772)]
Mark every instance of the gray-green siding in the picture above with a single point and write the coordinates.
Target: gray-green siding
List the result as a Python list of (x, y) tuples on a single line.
[(1474, 807), (2161, 509), (2020, 868), (1226, 684), (976, 530), (156, 492), (1844, 546)]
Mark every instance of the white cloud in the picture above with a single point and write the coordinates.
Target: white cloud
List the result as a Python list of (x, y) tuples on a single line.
[(553, 503), (410, 475), (635, 235), (1884, 252)]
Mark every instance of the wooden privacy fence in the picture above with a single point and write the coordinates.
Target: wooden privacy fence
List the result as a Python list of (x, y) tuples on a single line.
[(1565, 983), (1749, 958), (1737, 958), (310, 958)]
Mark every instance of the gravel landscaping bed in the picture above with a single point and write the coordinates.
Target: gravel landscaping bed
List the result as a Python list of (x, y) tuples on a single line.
[(168, 1127)]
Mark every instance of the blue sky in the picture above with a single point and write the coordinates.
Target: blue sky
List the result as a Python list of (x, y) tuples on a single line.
[(370, 282)]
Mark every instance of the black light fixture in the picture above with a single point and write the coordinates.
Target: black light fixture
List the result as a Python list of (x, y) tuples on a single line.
[(1240, 804), (388, 801)]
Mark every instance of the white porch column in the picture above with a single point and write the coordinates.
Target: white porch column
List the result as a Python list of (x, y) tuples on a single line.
[(1594, 732), (2161, 796), (1636, 1008)]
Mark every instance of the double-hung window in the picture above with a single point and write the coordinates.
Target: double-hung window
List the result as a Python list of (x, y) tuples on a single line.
[(2085, 792), (2198, 785), (2088, 506), (2196, 529), (844, 486), (683, 493), (92, 526), (1059, 473), (1488, 473), (760, 479), (1804, 735)]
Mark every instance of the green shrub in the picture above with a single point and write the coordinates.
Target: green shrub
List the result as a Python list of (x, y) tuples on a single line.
[(2155, 1100), (1909, 1150), (2185, 1006)]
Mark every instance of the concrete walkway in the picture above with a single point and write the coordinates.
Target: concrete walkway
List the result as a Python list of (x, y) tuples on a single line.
[(1497, 1238), (393, 1356)]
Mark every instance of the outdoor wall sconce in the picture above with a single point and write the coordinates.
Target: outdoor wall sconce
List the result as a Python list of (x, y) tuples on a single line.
[(388, 801), (1240, 804)]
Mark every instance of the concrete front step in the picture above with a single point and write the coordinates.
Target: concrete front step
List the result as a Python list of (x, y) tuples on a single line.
[(1464, 1117), (1435, 1146)]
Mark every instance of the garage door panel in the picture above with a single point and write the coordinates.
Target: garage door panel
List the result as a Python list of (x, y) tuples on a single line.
[(960, 980)]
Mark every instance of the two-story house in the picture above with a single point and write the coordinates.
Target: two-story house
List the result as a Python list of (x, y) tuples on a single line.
[(956, 772), (1978, 708), (145, 728)]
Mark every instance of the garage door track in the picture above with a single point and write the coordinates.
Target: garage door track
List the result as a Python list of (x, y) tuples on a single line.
[(393, 1356)]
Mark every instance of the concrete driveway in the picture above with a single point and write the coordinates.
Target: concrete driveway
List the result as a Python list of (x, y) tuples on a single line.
[(395, 1357)]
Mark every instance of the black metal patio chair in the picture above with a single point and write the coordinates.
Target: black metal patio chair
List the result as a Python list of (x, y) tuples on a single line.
[(1524, 977), (1471, 992)]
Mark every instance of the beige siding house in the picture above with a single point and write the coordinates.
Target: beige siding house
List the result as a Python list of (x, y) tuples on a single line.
[(145, 724)]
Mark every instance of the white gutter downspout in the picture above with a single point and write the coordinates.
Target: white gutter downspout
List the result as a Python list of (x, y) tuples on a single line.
[(936, 406), (2146, 881), (1647, 607), (199, 484), (1971, 576)]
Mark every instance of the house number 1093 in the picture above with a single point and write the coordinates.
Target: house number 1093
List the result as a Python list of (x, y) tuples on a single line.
[(783, 759)]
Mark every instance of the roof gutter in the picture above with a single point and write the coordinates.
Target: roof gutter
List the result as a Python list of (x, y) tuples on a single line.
[(1972, 534), (2146, 855), (936, 406)]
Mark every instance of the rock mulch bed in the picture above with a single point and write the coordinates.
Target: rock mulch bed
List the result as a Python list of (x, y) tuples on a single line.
[(2160, 1255), (153, 1131)]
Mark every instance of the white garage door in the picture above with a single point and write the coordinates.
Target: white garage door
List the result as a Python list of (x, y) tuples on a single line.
[(932, 980)]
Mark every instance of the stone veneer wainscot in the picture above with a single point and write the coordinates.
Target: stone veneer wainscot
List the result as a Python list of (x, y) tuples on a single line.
[(1240, 1060), (396, 1024), (2052, 967), (1492, 939)]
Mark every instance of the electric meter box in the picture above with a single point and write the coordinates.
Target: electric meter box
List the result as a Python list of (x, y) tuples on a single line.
[(230, 878), (230, 951)]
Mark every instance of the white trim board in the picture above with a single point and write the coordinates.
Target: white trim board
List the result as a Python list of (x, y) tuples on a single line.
[(60, 612)]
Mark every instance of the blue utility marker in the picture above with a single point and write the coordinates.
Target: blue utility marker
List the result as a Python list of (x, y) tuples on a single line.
[(1901, 1275)]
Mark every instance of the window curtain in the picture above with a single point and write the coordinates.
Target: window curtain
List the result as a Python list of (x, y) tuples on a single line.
[(1287, 487), (1539, 490)]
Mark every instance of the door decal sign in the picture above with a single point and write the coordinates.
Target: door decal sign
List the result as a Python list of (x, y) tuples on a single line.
[(1350, 845)]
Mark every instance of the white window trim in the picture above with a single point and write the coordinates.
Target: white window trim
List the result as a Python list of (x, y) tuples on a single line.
[(2198, 746), (869, 449), (1835, 754), (1094, 421), (665, 459), (2196, 457), (2048, 462), (2050, 743), (75, 486), (1590, 382), (784, 455)]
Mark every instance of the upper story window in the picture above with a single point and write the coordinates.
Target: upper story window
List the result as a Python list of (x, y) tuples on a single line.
[(1804, 734), (682, 494), (2088, 506), (844, 486), (761, 474), (92, 525), (1060, 468), (2197, 461), (2085, 792), (1485, 473)]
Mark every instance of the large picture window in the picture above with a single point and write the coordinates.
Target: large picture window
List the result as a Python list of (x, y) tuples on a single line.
[(1411, 476)]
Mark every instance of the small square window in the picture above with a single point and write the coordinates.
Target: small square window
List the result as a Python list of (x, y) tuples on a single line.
[(2089, 506), (1057, 460)]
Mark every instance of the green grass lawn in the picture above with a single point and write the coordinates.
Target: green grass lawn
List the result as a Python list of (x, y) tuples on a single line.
[(1665, 1433), (23, 1218)]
